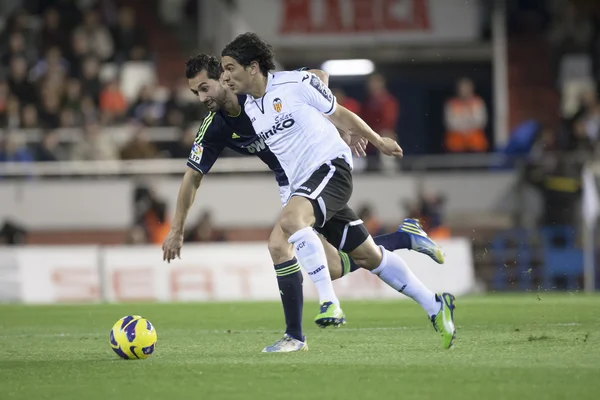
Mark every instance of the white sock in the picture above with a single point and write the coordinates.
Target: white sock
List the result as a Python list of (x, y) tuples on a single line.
[(394, 271), (311, 254)]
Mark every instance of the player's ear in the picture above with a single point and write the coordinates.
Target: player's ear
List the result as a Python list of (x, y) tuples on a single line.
[(254, 68)]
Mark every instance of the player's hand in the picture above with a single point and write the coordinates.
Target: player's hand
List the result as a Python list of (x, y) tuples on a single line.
[(357, 143), (389, 147), (172, 246)]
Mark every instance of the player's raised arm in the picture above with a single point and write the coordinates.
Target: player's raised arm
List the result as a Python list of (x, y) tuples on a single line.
[(352, 123), (319, 96)]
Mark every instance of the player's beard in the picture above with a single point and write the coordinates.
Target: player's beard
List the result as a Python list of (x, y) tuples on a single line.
[(212, 104)]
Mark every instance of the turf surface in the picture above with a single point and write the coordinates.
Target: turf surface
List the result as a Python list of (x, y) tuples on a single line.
[(508, 347)]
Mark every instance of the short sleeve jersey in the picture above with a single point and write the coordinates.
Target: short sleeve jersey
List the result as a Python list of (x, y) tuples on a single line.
[(218, 131), (290, 119)]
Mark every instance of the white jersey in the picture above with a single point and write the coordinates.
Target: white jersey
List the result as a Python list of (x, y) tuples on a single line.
[(289, 118)]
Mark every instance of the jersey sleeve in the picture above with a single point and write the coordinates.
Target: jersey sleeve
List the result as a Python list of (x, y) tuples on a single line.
[(317, 94), (208, 145)]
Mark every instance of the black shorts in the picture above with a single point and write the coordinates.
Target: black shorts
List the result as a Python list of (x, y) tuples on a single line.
[(329, 189)]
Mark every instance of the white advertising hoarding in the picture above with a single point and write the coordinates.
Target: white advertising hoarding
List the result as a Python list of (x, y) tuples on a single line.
[(210, 272), (59, 274)]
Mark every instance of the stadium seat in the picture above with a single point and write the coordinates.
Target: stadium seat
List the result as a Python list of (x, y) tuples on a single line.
[(512, 245), (565, 263), (561, 258)]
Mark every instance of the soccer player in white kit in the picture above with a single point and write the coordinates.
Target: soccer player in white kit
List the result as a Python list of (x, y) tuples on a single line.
[(288, 110)]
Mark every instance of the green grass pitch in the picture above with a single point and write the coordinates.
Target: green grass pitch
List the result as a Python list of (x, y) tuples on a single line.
[(530, 346)]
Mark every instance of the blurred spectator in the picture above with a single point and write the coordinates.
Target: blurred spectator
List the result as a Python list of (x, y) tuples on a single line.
[(98, 38), (346, 101), (204, 230), (53, 33), (80, 52), (90, 80), (587, 118), (19, 23), (429, 211), (139, 147), (4, 94), (151, 214), (11, 118), (380, 110), (112, 103), (72, 99), (372, 223), (136, 235), (68, 119), (182, 105), (580, 140), (52, 64), (30, 117), (89, 112), (146, 109), (16, 48), (572, 30), (130, 42), (18, 83), (49, 148), (94, 145), (182, 148), (12, 149), (50, 110), (12, 234), (557, 176), (466, 118)]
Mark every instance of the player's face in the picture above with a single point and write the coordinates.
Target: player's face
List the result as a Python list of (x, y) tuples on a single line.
[(209, 91), (235, 75)]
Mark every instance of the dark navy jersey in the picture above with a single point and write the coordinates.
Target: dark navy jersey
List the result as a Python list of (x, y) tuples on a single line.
[(220, 130)]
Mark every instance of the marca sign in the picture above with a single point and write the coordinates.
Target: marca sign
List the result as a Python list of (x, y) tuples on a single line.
[(354, 22), (354, 16)]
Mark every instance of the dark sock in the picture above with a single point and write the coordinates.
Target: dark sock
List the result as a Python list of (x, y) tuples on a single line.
[(289, 279), (348, 264), (394, 241)]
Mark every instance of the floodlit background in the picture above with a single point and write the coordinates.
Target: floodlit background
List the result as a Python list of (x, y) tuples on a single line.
[(494, 103)]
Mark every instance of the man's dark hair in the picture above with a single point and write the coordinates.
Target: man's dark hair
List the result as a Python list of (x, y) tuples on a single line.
[(248, 47), (203, 62)]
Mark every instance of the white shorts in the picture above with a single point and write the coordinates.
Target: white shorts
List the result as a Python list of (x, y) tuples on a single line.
[(284, 194)]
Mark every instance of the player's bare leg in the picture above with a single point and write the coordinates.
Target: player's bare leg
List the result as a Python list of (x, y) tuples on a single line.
[(296, 222), (391, 269)]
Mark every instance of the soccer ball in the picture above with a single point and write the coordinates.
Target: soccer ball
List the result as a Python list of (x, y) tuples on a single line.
[(133, 337)]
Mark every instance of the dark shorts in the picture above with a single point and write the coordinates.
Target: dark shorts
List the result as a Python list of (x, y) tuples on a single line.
[(329, 189)]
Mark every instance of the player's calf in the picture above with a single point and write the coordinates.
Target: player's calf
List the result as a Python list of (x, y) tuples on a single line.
[(296, 222), (391, 269)]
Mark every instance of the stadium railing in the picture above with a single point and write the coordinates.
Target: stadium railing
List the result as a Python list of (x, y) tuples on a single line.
[(224, 165)]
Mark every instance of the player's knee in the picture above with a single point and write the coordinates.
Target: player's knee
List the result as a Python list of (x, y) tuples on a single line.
[(279, 249), (368, 255), (297, 214), (291, 223)]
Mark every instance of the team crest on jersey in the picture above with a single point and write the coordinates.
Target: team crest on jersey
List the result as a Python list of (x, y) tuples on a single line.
[(277, 104)]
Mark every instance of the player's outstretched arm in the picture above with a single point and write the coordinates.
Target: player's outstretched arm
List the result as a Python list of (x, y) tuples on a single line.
[(355, 126), (187, 193)]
